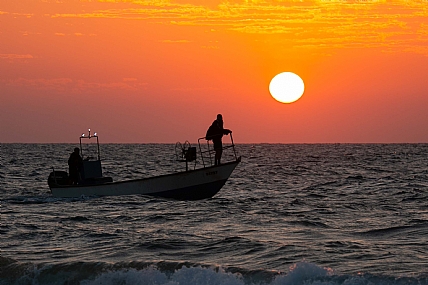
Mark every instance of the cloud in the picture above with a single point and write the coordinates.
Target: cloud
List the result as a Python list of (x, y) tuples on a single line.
[(130, 79), (394, 24), (77, 34), (70, 86), (176, 41), (15, 56), (210, 47), (188, 89)]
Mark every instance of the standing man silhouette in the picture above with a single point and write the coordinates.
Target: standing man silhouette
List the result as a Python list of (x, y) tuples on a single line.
[(215, 133)]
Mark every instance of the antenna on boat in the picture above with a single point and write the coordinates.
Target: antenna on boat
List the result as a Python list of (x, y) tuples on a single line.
[(95, 135)]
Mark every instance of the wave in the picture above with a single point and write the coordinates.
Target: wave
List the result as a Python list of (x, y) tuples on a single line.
[(396, 230), (173, 273), (45, 199)]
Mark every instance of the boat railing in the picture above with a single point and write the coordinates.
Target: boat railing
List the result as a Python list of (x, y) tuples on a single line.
[(207, 152)]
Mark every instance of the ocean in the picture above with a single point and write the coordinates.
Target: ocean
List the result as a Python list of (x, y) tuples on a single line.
[(309, 214)]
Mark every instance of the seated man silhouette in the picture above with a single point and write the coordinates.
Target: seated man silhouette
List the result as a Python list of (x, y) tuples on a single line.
[(75, 163)]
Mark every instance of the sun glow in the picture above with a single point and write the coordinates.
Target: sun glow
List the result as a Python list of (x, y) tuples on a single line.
[(286, 87)]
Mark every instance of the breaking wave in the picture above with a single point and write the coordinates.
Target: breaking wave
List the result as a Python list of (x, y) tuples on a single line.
[(171, 273)]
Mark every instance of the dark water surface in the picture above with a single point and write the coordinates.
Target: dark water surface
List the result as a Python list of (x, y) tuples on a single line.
[(289, 214)]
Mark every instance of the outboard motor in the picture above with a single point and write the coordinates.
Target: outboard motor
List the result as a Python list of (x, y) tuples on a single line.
[(58, 178), (190, 154)]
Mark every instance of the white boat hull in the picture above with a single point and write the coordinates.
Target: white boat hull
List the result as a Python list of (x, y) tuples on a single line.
[(188, 185)]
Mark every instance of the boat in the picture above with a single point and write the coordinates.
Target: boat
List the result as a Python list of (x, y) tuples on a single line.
[(202, 181)]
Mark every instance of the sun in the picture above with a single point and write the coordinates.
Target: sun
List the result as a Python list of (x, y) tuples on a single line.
[(286, 87)]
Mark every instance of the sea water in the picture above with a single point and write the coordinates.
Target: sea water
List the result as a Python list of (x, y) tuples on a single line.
[(289, 214)]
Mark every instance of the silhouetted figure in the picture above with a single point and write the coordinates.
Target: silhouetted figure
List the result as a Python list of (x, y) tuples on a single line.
[(215, 133), (74, 166)]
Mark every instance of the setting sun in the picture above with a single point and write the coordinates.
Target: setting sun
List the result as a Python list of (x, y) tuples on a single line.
[(286, 87)]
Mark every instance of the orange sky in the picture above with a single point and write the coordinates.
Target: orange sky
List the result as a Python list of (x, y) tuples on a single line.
[(159, 71)]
